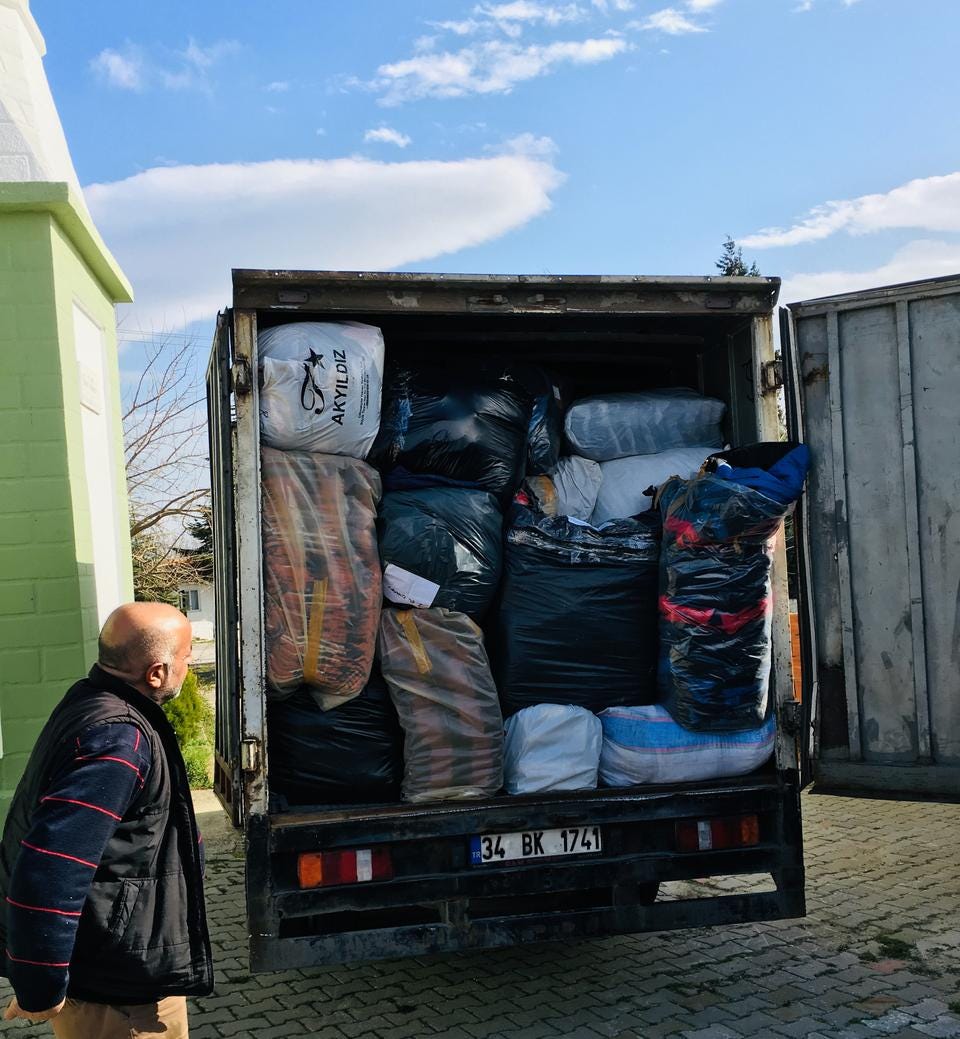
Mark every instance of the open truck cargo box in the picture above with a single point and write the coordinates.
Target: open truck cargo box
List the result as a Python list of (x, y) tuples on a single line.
[(599, 334)]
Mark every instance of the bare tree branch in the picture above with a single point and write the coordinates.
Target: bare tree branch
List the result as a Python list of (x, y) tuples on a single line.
[(165, 450)]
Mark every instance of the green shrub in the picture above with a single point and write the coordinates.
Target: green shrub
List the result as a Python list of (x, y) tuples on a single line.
[(196, 756), (187, 712), (192, 720)]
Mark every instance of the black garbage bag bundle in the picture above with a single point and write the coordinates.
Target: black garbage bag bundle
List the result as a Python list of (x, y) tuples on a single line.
[(577, 619), (719, 532), (451, 537), (351, 754), (465, 428), (545, 440)]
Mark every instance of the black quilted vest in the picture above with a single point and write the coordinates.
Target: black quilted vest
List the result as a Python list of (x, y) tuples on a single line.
[(143, 930)]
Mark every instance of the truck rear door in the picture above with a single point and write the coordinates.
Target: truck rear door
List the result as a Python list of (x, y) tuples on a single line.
[(872, 386), (221, 431)]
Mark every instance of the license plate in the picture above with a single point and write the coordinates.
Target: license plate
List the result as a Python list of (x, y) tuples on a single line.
[(535, 844)]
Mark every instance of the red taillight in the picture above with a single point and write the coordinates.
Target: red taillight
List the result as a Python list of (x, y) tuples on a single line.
[(324, 868), (739, 831)]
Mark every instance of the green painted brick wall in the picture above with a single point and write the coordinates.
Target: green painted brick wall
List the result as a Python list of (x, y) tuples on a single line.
[(48, 609)]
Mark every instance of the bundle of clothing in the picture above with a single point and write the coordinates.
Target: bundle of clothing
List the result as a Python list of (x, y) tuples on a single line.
[(436, 668), (456, 428), (351, 754), (576, 622), (719, 531), (321, 573), (441, 546)]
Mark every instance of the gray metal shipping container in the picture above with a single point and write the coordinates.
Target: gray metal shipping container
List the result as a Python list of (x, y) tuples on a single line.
[(873, 381)]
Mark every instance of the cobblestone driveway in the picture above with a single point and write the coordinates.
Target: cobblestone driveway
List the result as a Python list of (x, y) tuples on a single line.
[(878, 955)]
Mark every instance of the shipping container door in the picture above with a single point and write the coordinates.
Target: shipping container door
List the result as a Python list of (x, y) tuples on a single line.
[(875, 391), (220, 426)]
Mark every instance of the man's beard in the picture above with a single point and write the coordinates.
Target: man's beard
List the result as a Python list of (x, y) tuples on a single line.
[(166, 695)]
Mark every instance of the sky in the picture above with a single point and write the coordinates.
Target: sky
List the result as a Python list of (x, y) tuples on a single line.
[(529, 136)]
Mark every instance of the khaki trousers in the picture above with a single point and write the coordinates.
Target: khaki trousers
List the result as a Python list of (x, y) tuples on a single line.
[(164, 1020)]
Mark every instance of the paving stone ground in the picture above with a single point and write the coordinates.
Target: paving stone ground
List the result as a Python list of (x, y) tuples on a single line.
[(877, 956)]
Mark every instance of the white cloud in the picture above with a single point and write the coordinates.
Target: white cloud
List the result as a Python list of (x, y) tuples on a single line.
[(178, 231), (494, 67), (120, 70), (703, 5), (509, 14), (185, 69), (387, 135), (670, 21), (807, 5), (616, 5), (924, 258), (195, 63), (278, 86), (930, 204), (466, 27), (530, 145), (205, 57)]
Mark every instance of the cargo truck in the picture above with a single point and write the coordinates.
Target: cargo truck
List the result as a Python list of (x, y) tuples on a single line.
[(401, 879)]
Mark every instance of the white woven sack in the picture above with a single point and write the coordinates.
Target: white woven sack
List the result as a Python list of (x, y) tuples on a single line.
[(321, 385), (645, 745), (551, 747), (625, 479)]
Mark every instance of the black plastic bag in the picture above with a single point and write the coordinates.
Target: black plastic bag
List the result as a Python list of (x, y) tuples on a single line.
[(467, 428), (577, 619), (351, 754), (450, 536), (715, 606), (545, 441)]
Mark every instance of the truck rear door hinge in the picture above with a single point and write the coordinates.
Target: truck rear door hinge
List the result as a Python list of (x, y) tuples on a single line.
[(791, 717), (242, 378), (250, 754), (771, 376)]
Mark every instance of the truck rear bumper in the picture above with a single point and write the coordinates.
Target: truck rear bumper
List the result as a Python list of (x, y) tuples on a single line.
[(438, 902)]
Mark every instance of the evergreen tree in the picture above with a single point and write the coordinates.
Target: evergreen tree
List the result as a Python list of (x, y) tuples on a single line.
[(731, 265), (201, 557)]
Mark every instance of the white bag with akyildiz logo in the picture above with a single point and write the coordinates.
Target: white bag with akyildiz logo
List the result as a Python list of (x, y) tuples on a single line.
[(320, 386)]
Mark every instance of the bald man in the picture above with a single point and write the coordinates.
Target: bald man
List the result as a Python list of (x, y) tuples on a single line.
[(101, 862)]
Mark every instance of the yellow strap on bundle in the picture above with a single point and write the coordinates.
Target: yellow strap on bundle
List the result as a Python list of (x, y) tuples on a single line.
[(409, 625), (311, 654)]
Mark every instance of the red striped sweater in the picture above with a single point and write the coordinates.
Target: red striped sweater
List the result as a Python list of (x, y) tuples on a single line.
[(70, 828)]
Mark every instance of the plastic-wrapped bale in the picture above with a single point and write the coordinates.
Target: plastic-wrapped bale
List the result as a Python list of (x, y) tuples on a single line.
[(577, 622), (624, 481), (352, 754), (453, 428), (321, 573), (719, 531), (436, 669), (320, 386), (617, 425), (645, 745), (551, 747), (570, 490), (441, 546), (545, 440)]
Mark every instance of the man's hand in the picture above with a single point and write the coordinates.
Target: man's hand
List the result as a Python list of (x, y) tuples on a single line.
[(14, 1010)]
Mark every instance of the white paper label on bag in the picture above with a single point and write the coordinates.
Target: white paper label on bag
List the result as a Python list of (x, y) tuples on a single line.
[(408, 589)]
